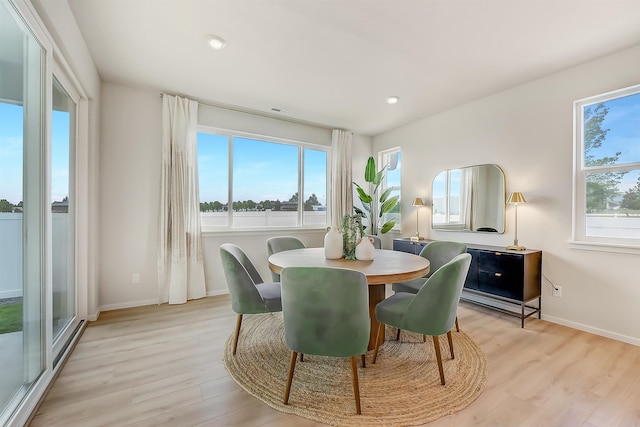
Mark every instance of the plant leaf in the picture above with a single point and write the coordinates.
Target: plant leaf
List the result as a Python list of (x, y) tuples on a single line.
[(377, 179), (360, 212), (385, 194), (388, 226), (364, 197), (389, 205), (370, 170)]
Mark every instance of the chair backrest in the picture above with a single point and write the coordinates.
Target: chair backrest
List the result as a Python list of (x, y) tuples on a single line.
[(242, 278), (280, 244), (441, 252), (377, 242), (434, 308), (326, 311)]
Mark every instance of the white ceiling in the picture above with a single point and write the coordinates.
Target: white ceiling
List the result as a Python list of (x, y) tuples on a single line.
[(334, 62)]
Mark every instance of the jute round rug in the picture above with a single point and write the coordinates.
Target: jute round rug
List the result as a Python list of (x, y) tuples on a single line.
[(402, 389)]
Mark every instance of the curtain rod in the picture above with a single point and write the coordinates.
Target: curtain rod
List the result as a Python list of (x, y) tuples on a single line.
[(256, 112)]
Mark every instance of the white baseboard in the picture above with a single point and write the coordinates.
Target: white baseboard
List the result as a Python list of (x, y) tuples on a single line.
[(218, 292), (591, 329), (129, 304)]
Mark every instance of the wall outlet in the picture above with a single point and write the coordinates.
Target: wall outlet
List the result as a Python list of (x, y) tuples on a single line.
[(557, 291), (135, 278)]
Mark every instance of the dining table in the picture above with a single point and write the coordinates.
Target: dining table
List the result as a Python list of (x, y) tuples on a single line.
[(386, 267)]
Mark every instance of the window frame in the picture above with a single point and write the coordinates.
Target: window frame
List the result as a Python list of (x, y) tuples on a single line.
[(301, 145), (580, 239), (383, 185)]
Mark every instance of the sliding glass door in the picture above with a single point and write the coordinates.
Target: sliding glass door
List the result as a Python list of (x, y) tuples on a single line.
[(22, 209), (63, 135)]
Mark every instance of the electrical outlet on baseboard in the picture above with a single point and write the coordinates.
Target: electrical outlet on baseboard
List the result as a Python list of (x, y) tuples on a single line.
[(557, 291)]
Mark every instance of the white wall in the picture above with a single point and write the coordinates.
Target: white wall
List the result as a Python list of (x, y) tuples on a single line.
[(528, 131), (130, 155)]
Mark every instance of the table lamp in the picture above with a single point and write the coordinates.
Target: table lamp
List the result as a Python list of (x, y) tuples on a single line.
[(417, 203), (516, 197)]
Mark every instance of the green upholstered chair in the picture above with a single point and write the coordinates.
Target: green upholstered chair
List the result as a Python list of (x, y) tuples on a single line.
[(326, 313), (279, 244), (249, 293), (438, 253), (431, 311)]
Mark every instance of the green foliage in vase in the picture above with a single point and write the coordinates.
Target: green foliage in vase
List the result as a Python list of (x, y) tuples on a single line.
[(375, 206)]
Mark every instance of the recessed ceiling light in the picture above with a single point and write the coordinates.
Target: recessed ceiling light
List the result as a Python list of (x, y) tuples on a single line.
[(216, 42), (392, 100)]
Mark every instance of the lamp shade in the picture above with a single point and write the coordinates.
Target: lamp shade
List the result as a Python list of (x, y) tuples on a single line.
[(418, 202), (516, 197)]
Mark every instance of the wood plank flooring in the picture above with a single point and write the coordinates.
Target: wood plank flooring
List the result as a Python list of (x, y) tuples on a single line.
[(162, 366)]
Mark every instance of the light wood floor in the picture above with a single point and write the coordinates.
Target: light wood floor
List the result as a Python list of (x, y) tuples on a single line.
[(162, 366)]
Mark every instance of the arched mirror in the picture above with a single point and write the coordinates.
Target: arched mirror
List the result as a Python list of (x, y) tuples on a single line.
[(469, 199)]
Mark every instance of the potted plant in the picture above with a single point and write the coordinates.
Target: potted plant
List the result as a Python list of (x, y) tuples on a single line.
[(375, 206)]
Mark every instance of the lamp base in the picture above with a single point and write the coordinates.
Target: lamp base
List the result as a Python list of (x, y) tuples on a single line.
[(415, 238), (515, 248)]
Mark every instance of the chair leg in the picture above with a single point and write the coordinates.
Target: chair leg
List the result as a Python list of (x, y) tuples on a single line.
[(424, 338), (378, 336), (457, 326), (398, 335), (302, 357), (364, 361), (356, 386), (436, 344), (450, 344), (292, 367), (235, 338)]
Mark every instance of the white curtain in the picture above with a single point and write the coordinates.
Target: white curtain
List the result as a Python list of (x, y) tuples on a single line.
[(341, 189), (180, 260), (466, 196)]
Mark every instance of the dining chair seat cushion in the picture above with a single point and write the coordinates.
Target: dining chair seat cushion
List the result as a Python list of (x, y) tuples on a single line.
[(411, 286), (271, 294), (391, 310)]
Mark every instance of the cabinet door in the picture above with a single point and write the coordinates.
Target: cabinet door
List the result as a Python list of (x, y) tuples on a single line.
[(403, 246), (501, 274), (472, 277)]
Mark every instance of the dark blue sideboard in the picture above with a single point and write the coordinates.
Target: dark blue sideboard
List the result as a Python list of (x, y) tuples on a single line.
[(501, 279)]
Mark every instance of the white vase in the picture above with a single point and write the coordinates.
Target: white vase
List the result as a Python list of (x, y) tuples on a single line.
[(365, 251), (333, 244)]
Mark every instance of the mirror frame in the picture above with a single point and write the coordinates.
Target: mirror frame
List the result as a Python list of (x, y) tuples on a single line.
[(496, 227)]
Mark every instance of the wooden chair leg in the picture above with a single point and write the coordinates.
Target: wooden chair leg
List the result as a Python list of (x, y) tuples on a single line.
[(292, 367), (378, 336), (424, 338), (356, 386), (449, 337), (235, 338), (457, 327), (302, 357), (398, 335), (364, 361), (436, 344)]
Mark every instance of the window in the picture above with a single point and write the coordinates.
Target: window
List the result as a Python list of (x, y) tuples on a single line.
[(607, 181), (447, 199), (392, 159), (263, 178)]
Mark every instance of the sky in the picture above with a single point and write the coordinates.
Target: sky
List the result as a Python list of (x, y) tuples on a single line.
[(261, 170), (623, 122), (11, 153)]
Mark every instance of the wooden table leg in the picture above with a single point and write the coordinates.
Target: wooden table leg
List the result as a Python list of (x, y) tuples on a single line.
[(376, 295)]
